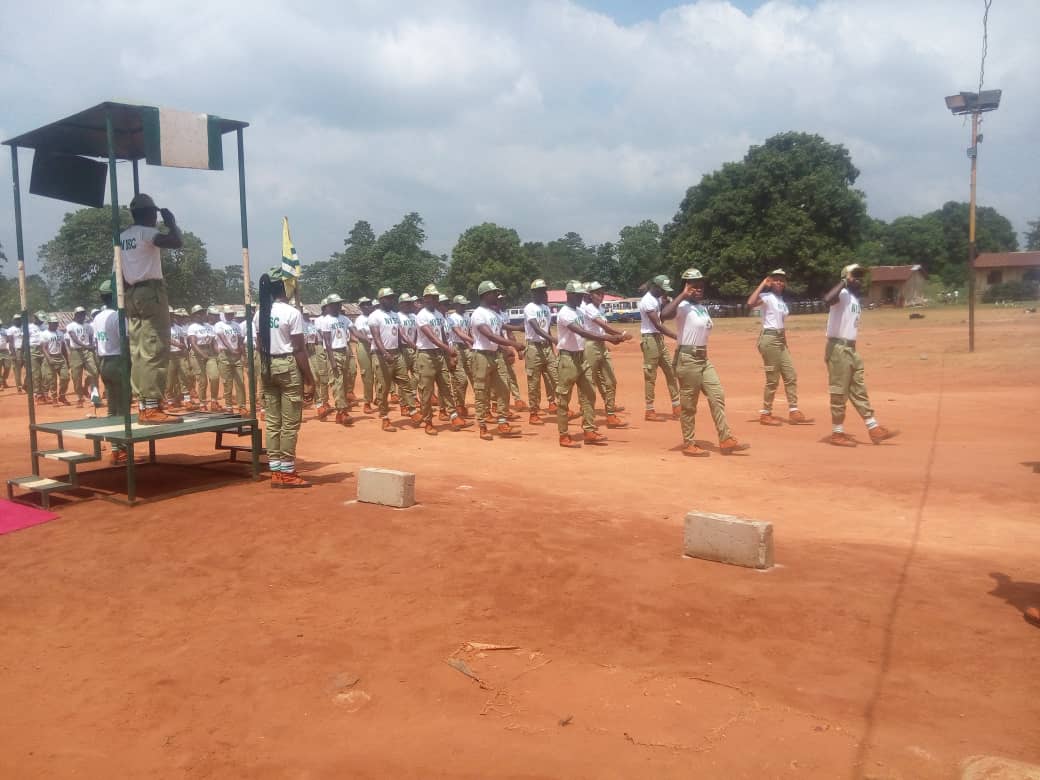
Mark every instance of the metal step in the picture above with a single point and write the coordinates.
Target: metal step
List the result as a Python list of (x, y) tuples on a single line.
[(69, 456), (42, 485)]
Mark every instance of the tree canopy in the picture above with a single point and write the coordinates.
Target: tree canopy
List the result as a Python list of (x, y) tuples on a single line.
[(790, 202), (1033, 236), (489, 251)]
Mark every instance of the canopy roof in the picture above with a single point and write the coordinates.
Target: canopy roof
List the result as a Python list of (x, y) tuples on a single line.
[(84, 133)]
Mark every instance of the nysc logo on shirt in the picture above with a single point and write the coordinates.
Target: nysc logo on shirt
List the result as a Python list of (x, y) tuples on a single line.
[(128, 244)]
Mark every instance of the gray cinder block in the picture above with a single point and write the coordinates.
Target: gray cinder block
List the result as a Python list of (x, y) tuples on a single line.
[(386, 487), (728, 539)]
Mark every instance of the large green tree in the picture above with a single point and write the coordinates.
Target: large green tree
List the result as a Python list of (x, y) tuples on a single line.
[(640, 256), (993, 233), (37, 292), (1033, 236), (789, 202), (318, 280), (567, 258), (490, 251), (79, 257), (401, 262), (352, 271)]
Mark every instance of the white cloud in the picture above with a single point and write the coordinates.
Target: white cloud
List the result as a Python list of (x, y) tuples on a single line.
[(541, 115)]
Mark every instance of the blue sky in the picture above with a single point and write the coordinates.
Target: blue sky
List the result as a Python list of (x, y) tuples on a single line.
[(546, 116)]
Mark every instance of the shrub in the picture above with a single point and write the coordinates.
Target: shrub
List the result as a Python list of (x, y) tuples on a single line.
[(1012, 291)]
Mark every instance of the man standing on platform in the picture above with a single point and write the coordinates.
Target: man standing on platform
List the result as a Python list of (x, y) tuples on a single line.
[(147, 307)]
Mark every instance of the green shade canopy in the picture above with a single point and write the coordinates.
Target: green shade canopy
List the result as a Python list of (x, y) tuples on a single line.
[(84, 133)]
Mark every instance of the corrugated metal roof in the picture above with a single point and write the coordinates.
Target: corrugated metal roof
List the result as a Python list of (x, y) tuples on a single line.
[(893, 273), (1007, 260)]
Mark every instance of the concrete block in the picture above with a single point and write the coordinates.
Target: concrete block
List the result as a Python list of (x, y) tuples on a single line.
[(386, 487), (728, 539)]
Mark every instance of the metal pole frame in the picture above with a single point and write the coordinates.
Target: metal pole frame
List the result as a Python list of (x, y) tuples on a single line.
[(23, 298), (255, 439), (971, 231), (124, 337)]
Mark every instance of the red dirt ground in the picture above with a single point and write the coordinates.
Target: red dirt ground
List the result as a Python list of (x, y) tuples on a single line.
[(240, 632)]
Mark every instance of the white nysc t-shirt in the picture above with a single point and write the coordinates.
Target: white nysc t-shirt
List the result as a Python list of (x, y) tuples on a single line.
[(567, 339), (484, 316), (592, 318), (141, 257), (388, 328), (106, 331), (648, 303), (434, 321), (843, 318), (286, 322), (539, 315), (693, 324), (774, 311)]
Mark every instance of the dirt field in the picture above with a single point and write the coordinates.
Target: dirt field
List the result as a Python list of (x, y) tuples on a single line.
[(241, 632)]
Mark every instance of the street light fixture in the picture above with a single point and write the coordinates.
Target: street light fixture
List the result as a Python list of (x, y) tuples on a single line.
[(974, 103)]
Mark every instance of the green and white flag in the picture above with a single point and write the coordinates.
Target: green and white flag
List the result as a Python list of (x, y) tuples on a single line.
[(181, 139)]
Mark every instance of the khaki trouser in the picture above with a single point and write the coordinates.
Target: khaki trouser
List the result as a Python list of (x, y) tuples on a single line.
[(393, 371), (18, 360), (207, 375), (540, 361), (696, 375), (845, 378), (505, 366), (409, 360), (573, 370), (462, 374), (56, 376), (488, 384), (431, 368), (776, 358), (320, 368), (5, 366), (283, 409), (177, 377), (82, 364), (601, 370), (112, 368), (364, 359), (36, 367), (148, 318), (230, 367), (341, 371), (656, 356)]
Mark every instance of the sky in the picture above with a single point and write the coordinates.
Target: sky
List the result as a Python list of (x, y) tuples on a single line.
[(547, 116)]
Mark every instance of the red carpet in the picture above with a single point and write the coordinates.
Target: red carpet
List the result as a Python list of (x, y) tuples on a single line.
[(14, 517)]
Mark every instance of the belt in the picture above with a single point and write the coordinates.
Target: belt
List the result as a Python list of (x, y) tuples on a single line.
[(282, 354), (487, 351), (774, 331), (340, 349), (697, 352), (431, 349), (651, 335), (843, 342), (574, 352), (141, 283)]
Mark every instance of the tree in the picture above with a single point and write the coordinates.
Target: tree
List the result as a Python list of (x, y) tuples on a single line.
[(353, 271), (1032, 237), (229, 286), (400, 262), (3, 257), (605, 266), (37, 293), (490, 251), (567, 258), (993, 233), (189, 278), (789, 202), (318, 280), (640, 256), (79, 257)]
